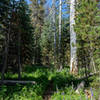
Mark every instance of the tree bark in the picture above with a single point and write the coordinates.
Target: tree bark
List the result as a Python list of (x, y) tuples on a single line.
[(19, 58), (54, 29), (60, 17), (6, 56), (73, 57), (5, 53)]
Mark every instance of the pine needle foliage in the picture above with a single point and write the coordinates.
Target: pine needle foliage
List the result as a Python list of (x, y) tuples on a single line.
[(88, 32)]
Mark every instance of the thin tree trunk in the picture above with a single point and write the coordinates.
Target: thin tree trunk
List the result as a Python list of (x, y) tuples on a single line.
[(19, 51), (19, 59), (5, 58), (6, 53), (54, 29), (60, 17), (73, 58), (92, 63)]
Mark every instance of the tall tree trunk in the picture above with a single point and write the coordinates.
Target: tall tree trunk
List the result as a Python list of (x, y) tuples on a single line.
[(6, 56), (19, 55), (6, 53), (73, 58), (60, 17), (92, 62), (54, 29)]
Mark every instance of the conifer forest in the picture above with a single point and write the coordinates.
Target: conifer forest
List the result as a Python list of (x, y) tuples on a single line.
[(49, 49)]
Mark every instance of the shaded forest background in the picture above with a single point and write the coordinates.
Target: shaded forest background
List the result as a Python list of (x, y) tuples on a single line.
[(39, 34)]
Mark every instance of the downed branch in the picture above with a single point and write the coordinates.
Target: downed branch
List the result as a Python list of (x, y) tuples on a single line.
[(16, 81)]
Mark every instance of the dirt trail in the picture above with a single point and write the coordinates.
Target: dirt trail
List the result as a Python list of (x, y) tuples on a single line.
[(49, 91)]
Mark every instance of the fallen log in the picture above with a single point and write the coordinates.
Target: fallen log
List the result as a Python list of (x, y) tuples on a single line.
[(16, 81)]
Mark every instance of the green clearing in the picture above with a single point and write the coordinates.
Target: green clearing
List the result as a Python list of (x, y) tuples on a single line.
[(64, 85)]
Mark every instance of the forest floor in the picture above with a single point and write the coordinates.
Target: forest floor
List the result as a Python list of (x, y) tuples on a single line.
[(50, 85), (49, 91)]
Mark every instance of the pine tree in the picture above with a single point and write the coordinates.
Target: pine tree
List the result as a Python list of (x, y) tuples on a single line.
[(38, 14), (14, 21), (26, 29), (88, 33)]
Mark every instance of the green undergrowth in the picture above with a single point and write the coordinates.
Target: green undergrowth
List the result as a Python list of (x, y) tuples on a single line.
[(68, 92), (64, 85)]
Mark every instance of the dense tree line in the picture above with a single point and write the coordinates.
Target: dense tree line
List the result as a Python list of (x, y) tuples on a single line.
[(16, 33), (60, 33)]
